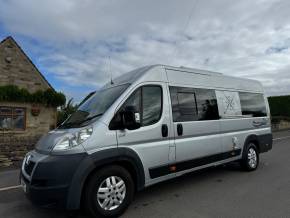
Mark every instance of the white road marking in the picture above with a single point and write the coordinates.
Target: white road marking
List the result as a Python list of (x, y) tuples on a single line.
[(10, 187), (286, 137)]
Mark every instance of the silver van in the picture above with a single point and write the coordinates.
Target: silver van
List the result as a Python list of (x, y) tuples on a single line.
[(146, 126)]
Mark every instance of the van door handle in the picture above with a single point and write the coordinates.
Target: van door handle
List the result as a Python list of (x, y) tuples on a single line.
[(179, 129), (164, 130)]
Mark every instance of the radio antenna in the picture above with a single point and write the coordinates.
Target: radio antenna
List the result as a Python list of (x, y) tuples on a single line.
[(110, 71)]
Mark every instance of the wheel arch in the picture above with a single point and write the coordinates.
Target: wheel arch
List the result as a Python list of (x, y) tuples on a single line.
[(124, 157), (254, 139)]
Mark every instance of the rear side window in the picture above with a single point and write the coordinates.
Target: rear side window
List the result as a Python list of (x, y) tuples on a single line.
[(189, 104), (253, 104), (206, 104), (183, 104)]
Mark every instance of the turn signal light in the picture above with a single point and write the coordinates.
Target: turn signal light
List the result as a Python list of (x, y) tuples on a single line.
[(172, 168)]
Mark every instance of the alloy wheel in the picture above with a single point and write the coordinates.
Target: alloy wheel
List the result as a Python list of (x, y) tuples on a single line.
[(111, 193)]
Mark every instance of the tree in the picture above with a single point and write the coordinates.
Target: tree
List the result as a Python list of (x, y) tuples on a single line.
[(65, 110), (280, 106)]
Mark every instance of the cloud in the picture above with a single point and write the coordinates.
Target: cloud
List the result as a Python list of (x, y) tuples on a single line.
[(75, 38)]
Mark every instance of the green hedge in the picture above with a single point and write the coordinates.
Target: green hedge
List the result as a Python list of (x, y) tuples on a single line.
[(48, 97)]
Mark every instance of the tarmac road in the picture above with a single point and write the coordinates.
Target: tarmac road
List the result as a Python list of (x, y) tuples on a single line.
[(215, 192)]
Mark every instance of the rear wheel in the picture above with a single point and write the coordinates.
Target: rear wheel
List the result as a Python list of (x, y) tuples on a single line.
[(250, 159), (109, 192)]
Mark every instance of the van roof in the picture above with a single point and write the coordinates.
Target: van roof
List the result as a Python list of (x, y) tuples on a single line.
[(191, 70), (187, 76)]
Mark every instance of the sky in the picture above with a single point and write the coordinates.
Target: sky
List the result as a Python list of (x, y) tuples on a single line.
[(78, 44)]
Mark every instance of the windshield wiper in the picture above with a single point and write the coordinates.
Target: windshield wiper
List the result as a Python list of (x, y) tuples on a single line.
[(69, 124), (76, 124)]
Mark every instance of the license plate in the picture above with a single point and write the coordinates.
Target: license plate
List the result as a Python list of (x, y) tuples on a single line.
[(23, 184)]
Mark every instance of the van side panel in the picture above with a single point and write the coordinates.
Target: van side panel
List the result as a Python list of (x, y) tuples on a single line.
[(253, 124), (199, 139), (235, 133)]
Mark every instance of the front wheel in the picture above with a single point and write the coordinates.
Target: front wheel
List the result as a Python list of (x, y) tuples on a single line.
[(109, 192), (250, 159)]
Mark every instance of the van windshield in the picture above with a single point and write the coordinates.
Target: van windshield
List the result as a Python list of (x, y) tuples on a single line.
[(94, 107)]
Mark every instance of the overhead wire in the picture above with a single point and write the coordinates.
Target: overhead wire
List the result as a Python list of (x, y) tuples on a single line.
[(183, 30)]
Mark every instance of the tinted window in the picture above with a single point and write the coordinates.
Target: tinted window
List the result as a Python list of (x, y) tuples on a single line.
[(152, 104), (183, 104), (189, 104), (206, 104), (253, 104)]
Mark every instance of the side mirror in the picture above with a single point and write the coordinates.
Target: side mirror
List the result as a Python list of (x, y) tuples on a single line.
[(131, 118)]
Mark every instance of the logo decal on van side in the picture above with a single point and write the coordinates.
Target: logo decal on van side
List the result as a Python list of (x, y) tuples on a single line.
[(229, 103)]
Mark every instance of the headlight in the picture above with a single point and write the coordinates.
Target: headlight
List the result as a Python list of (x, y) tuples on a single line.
[(73, 140)]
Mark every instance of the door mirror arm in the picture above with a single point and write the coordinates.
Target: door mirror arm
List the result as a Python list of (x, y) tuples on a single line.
[(130, 118)]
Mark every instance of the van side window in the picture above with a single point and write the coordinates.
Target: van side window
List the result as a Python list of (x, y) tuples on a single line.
[(253, 104), (134, 100), (190, 104), (206, 104), (148, 102), (151, 104), (183, 104)]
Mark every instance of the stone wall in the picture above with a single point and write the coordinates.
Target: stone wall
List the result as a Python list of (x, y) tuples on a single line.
[(14, 144), (281, 125)]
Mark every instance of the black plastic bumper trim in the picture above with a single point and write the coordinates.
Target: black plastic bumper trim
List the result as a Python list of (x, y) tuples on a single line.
[(265, 142), (189, 164)]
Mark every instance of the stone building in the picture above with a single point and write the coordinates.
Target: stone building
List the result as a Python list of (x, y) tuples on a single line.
[(21, 124)]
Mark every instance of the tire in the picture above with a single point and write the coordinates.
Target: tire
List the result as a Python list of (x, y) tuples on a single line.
[(250, 159), (107, 185)]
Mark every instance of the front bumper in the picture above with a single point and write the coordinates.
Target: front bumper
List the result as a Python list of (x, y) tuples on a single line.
[(47, 178), (46, 196)]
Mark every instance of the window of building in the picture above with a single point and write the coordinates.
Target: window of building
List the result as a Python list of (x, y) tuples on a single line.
[(148, 102), (190, 104), (253, 104), (12, 118)]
